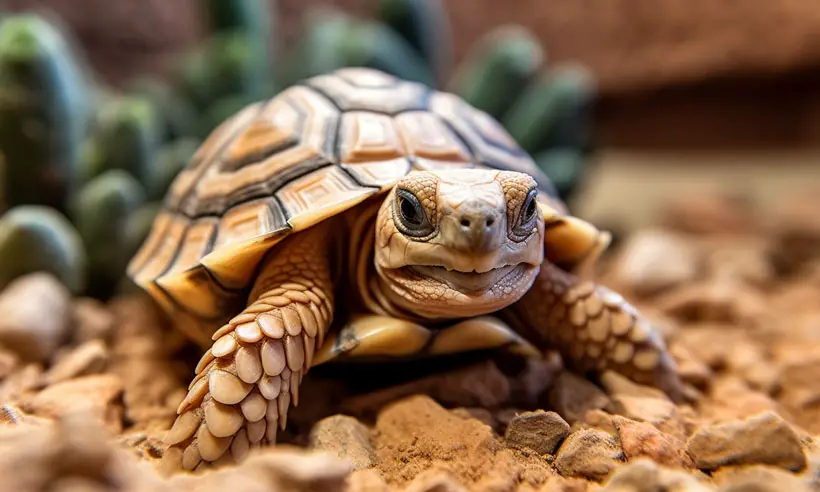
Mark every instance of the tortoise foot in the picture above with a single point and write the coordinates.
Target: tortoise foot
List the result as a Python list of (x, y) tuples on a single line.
[(243, 388)]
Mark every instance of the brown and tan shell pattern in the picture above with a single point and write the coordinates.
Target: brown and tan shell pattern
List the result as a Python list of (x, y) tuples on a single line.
[(279, 166)]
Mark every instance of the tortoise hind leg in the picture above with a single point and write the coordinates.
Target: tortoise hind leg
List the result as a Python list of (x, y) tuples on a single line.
[(595, 329), (246, 382)]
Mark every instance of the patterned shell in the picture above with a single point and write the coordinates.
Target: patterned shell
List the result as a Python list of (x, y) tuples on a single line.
[(279, 166)]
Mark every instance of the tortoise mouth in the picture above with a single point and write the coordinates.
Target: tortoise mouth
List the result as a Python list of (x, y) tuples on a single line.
[(473, 281)]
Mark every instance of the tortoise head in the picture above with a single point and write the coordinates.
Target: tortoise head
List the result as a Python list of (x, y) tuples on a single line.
[(459, 243)]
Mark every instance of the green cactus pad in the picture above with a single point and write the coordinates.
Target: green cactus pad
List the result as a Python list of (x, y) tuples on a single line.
[(374, 45), (318, 48), (498, 69), (44, 109), (138, 225), (101, 213), (332, 40), (553, 98), (128, 137), (36, 238), (172, 157), (178, 116), (256, 20), (424, 25), (225, 65), (565, 167)]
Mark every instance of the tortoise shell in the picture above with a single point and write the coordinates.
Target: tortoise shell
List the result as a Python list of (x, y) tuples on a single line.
[(276, 167)]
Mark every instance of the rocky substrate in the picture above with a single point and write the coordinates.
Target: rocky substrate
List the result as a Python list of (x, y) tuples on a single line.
[(89, 389)]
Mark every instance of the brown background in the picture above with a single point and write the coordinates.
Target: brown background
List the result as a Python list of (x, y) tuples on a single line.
[(672, 73)]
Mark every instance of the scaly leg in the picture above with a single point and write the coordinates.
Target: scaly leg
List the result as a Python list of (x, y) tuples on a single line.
[(595, 329), (248, 379)]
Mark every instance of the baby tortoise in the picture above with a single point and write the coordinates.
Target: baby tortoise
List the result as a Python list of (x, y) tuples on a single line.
[(421, 228)]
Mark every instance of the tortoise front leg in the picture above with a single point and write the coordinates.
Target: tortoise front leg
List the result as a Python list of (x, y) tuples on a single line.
[(248, 379), (595, 329)]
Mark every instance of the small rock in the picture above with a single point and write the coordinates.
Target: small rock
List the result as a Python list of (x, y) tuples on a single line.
[(713, 212), (345, 437), (644, 475), (758, 478), (691, 369), (366, 481), (92, 320), (616, 384), (36, 316), (590, 454), (640, 439), (540, 431), (720, 302), (89, 358), (652, 410), (98, 395), (573, 396), (8, 363), (764, 439), (600, 420), (434, 481), (655, 260), (22, 381)]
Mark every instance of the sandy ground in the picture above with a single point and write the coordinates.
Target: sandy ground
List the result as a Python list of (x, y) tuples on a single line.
[(89, 389)]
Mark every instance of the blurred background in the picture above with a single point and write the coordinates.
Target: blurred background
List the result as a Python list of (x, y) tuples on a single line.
[(626, 104)]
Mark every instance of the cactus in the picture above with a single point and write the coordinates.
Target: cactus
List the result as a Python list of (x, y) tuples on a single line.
[(129, 137), (138, 225), (36, 238), (498, 69), (178, 116), (170, 160), (253, 18), (565, 167), (333, 40), (318, 49), (424, 25), (225, 65), (101, 212), (44, 107), (554, 98)]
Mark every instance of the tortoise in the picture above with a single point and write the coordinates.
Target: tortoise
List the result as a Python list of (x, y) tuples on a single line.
[(356, 216)]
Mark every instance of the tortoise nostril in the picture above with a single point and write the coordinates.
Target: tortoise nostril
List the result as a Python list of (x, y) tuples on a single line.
[(490, 222), (465, 222)]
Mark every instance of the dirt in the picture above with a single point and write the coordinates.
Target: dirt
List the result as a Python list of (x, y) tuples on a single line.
[(88, 409)]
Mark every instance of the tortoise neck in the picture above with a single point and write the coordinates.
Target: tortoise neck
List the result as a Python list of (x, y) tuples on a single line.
[(362, 269)]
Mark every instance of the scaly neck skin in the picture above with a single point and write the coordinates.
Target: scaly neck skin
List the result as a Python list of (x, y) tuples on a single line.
[(371, 292)]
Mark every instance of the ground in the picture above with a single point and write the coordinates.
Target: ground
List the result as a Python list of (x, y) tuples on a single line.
[(88, 389)]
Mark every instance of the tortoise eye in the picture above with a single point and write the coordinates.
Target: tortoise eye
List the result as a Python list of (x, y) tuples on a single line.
[(413, 220), (526, 218)]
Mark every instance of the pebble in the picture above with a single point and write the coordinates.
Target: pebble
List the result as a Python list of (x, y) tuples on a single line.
[(573, 396), (589, 453), (98, 395), (92, 320), (643, 440), (89, 358), (758, 478), (346, 438), (36, 316), (643, 475), (762, 439), (367, 480), (434, 481), (540, 431), (654, 260)]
